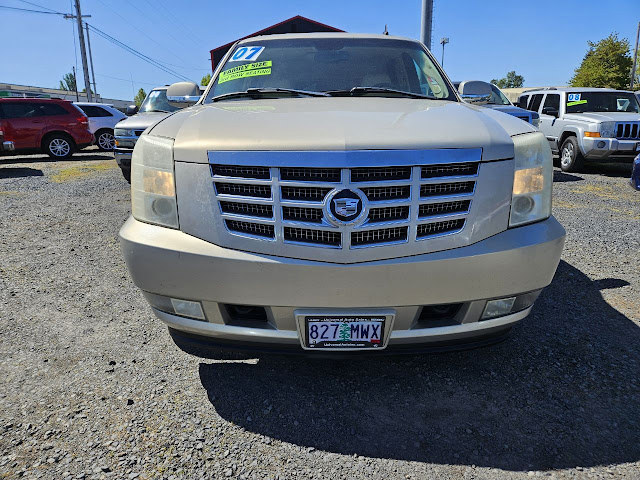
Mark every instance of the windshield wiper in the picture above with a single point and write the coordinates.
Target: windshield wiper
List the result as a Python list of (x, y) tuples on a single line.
[(258, 92), (364, 90), (158, 110)]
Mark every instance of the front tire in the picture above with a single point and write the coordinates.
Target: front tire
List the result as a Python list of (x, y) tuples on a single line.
[(59, 146), (105, 140), (571, 160)]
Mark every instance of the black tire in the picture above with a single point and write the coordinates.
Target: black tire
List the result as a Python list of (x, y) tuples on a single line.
[(126, 173), (59, 146), (571, 160), (105, 140)]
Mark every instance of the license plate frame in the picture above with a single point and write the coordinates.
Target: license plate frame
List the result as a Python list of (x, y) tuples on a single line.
[(305, 318)]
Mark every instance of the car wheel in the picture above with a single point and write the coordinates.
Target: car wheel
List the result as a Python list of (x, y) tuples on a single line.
[(105, 140), (59, 146), (571, 159)]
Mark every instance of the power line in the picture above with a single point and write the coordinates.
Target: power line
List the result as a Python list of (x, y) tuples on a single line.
[(125, 79), (41, 6), (28, 10)]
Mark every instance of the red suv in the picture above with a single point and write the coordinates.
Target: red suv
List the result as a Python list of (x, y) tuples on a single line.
[(56, 127)]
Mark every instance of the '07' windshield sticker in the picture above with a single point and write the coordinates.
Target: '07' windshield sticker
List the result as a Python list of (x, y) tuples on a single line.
[(243, 71), (245, 54)]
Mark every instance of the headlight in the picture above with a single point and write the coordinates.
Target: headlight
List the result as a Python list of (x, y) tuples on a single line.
[(607, 129), (153, 192), (532, 180), (123, 132)]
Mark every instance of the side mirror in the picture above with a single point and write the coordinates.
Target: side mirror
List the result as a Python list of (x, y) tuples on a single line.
[(475, 91), (183, 94), (550, 111), (131, 110)]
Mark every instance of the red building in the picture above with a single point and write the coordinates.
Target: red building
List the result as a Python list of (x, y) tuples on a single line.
[(297, 24)]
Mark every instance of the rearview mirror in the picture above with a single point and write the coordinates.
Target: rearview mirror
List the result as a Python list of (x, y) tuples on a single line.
[(183, 94), (131, 110), (475, 91)]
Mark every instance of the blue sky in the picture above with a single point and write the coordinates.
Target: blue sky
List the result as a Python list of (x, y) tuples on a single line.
[(542, 40)]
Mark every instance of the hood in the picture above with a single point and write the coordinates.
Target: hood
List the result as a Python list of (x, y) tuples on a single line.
[(338, 124), (596, 117), (141, 121)]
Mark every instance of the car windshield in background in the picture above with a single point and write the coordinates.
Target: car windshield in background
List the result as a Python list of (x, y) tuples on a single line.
[(580, 102), (334, 65), (497, 97), (157, 101)]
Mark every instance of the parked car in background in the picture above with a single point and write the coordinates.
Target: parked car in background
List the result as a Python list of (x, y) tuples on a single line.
[(344, 200), (498, 101), (55, 127), (154, 108), (102, 121), (587, 123)]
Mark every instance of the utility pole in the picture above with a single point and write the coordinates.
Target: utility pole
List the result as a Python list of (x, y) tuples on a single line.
[(427, 21), (443, 41), (75, 81), (93, 73), (635, 59), (83, 52)]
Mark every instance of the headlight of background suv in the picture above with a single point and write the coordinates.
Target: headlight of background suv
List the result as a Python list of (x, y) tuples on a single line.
[(153, 192), (607, 129), (123, 132), (532, 180)]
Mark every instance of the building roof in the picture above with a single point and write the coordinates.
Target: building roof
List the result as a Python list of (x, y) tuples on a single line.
[(297, 24)]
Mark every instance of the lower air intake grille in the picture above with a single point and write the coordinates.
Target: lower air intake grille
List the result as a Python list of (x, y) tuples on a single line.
[(250, 209), (241, 171), (388, 214), (309, 194), (386, 235), (387, 193), (251, 228), (319, 237), (243, 190), (302, 214), (438, 189), (432, 209), (450, 170), (428, 229)]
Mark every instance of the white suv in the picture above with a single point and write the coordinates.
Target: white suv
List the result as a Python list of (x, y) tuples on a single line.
[(102, 120)]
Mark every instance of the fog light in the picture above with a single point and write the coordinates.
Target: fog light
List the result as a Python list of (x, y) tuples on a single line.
[(498, 308), (187, 308), (601, 144), (523, 205)]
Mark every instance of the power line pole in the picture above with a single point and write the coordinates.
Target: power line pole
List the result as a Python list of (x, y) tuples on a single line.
[(93, 73), (83, 52), (635, 60), (443, 41), (75, 82), (427, 21)]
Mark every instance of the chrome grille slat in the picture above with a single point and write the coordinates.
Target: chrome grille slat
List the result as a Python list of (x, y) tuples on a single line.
[(288, 204), (628, 130)]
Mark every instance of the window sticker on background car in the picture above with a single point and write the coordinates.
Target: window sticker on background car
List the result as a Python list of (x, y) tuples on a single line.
[(573, 97), (248, 70), (246, 53), (577, 102)]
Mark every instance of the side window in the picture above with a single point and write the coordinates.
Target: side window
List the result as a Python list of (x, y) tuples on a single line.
[(52, 109), (522, 101), (20, 110), (93, 111), (536, 100), (552, 101)]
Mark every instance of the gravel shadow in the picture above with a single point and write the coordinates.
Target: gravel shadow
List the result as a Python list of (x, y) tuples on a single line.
[(18, 172), (560, 176), (562, 392)]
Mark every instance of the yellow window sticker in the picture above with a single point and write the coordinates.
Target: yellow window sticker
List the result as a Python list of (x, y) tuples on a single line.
[(577, 102), (248, 70)]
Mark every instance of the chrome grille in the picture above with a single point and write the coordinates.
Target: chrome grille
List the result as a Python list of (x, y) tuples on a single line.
[(318, 237), (628, 130), (403, 202)]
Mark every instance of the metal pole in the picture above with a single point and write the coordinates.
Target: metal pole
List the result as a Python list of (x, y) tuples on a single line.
[(427, 20), (83, 52), (635, 59), (93, 73), (75, 81)]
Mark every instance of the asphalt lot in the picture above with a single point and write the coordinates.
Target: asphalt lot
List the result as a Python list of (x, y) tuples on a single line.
[(91, 385)]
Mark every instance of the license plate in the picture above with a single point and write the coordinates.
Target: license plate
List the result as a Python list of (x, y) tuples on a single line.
[(344, 331)]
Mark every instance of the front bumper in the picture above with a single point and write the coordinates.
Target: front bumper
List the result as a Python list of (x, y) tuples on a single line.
[(171, 263), (123, 157), (602, 148)]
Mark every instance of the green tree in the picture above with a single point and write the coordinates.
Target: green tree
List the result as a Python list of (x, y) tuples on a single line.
[(68, 82), (140, 96), (512, 80), (205, 80), (607, 64)]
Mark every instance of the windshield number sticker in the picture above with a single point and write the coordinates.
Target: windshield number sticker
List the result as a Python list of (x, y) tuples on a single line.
[(243, 71), (573, 97), (248, 53)]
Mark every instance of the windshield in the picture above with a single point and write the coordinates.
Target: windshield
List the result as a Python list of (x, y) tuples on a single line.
[(497, 97), (157, 101), (581, 102), (331, 64)]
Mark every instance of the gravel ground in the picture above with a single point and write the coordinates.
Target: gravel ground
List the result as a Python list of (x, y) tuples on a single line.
[(91, 385)]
